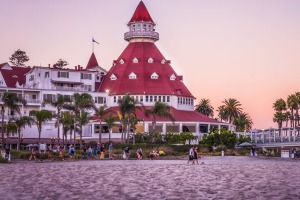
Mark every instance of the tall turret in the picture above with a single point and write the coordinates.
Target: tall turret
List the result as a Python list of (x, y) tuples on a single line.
[(141, 26)]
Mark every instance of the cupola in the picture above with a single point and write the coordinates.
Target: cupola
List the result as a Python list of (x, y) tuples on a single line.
[(141, 26)]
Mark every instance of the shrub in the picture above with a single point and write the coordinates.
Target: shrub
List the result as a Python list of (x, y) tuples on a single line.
[(221, 148), (78, 156), (5, 160), (42, 156), (25, 155), (15, 154)]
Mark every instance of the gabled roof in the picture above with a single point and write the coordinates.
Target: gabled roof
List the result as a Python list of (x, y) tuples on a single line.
[(16, 74), (92, 62), (141, 14), (143, 84), (179, 115)]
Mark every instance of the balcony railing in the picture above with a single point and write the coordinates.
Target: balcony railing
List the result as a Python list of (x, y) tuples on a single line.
[(33, 101), (67, 88), (147, 34)]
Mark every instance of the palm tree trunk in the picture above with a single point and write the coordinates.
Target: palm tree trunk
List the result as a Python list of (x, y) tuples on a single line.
[(39, 140), (58, 133), (109, 134), (100, 132), (153, 132), (18, 146), (2, 127), (81, 137)]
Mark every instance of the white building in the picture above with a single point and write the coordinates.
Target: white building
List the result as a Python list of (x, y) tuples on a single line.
[(140, 70)]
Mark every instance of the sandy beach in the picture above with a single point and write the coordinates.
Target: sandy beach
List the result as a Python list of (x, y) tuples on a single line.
[(213, 178)]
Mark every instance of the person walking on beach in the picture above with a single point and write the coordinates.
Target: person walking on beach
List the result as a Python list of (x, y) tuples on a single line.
[(98, 150), (139, 153), (110, 151), (102, 151), (196, 155), (33, 153), (84, 152), (61, 154), (126, 153), (191, 155), (95, 152), (71, 152), (90, 152)]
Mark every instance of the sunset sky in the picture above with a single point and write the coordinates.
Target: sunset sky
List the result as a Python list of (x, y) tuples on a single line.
[(243, 49)]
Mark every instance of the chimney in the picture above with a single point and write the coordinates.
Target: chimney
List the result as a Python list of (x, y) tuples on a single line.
[(75, 67), (78, 67), (49, 65)]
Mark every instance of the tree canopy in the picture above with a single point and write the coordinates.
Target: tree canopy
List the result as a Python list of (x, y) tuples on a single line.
[(18, 58)]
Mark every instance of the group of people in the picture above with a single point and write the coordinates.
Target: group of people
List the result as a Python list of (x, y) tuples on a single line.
[(99, 151), (193, 155)]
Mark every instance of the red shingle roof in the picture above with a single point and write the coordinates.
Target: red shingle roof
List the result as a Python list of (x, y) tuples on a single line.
[(16, 74), (179, 115), (92, 62), (143, 84), (141, 14)]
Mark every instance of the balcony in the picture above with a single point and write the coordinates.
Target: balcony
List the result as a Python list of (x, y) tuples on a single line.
[(33, 101), (147, 34), (67, 88)]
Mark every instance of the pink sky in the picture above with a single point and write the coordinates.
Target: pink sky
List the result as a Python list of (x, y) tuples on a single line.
[(248, 50)]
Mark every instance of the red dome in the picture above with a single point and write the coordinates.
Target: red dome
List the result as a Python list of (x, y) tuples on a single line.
[(143, 69), (141, 14)]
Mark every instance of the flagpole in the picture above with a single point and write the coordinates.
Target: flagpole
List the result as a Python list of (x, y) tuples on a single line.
[(93, 44)]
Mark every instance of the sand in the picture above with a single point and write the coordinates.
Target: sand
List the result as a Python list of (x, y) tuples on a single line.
[(216, 178)]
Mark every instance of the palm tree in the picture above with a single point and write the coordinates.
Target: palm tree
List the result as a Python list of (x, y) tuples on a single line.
[(279, 118), (231, 109), (21, 123), (279, 105), (133, 122), (110, 122), (12, 102), (82, 120), (159, 110), (221, 112), (58, 103), (243, 122), (81, 102), (101, 112), (67, 122), (40, 117), (127, 106), (297, 110), (292, 103), (205, 108), (11, 129)]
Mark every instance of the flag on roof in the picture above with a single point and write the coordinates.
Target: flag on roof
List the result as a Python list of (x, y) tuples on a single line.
[(95, 41)]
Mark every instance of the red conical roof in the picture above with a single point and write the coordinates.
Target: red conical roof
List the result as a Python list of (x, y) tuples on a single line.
[(141, 14), (143, 69), (92, 62)]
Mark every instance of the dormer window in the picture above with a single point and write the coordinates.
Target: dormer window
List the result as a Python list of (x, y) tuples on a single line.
[(163, 61), (132, 75), (173, 77), (121, 62), (135, 60), (150, 60), (113, 77), (15, 76), (154, 76)]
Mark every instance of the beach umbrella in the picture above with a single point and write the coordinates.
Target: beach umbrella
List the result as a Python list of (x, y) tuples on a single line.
[(246, 144)]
